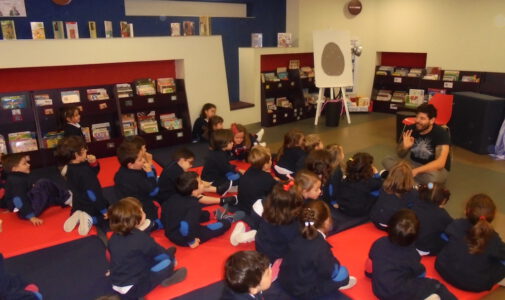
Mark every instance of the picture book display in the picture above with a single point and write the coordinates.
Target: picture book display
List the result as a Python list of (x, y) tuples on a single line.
[(145, 87), (92, 29), (129, 124), (42, 100), (451, 76), (70, 97), (284, 40), (58, 30), (101, 131), (415, 98), (97, 94), (175, 29), (124, 90), (170, 122), (13, 102), (147, 122), (108, 29), (166, 85), (38, 32), (205, 28), (72, 30), (257, 40), (282, 73), (51, 139), (8, 29), (87, 134), (22, 141), (188, 27)]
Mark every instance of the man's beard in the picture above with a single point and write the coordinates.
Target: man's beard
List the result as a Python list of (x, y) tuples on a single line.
[(422, 128)]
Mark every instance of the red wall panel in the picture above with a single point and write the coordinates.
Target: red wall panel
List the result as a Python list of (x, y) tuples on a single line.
[(403, 59), (273, 61)]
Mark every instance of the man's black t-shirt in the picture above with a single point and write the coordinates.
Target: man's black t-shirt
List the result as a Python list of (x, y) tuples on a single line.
[(424, 147)]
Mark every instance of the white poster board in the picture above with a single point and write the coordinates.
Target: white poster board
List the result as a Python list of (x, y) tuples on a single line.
[(332, 58)]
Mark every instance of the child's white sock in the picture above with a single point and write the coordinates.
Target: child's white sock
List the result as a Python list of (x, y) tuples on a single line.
[(85, 223), (145, 225)]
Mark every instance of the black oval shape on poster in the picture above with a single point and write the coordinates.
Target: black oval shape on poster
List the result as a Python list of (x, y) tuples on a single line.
[(332, 60)]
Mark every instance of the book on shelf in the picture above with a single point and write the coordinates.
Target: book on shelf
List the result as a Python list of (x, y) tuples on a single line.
[(129, 124), (363, 101), (22, 141), (175, 29), (307, 72), (282, 73), (13, 101), (294, 64), (205, 28), (97, 94), (51, 139), (100, 131), (257, 40), (384, 95), (399, 96), (58, 30), (270, 76), (147, 122), (126, 29), (415, 98), (124, 90), (108, 29), (451, 76), (284, 40), (385, 70), (8, 29), (130, 27), (432, 73), (42, 100), (415, 72), (72, 30), (166, 85), (283, 102), (432, 92), (145, 87), (92, 29), (70, 97), (188, 27), (401, 72), (3, 145), (170, 122), (87, 134), (470, 78), (270, 103), (38, 32)]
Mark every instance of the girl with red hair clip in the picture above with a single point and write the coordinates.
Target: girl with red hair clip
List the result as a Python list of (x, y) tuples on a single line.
[(244, 141)]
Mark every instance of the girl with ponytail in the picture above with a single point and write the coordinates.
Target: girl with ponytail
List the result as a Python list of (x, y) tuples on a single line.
[(309, 270), (474, 256)]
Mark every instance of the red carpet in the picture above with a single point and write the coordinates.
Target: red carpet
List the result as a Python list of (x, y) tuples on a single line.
[(109, 167)]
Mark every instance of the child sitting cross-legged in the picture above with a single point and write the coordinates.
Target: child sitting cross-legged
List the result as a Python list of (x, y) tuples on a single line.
[(26, 198), (182, 215), (137, 263)]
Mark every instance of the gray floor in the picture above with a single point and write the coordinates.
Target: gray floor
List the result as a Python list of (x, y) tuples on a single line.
[(375, 133)]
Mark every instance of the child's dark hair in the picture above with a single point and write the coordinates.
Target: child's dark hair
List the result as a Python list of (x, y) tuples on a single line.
[(359, 167), (244, 270), (434, 192), (311, 142), (258, 157), (480, 212), (205, 108), (137, 140), (429, 109), (236, 128), (305, 180), (337, 155), (127, 153), (67, 112), (186, 183), (10, 161), (403, 227), (210, 129), (182, 153), (399, 180), (220, 139), (292, 139), (67, 148), (319, 162), (125, 215), (314, 214), (283, 205)]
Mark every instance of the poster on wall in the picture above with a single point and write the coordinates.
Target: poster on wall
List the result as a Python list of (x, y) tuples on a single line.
[(12, 8), (332, 58)]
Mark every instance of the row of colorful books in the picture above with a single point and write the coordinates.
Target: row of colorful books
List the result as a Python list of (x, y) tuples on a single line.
[(146, 122), (188, 27), (413, 98), (22, 141), (284, 40), (430, 73), (282, 73)]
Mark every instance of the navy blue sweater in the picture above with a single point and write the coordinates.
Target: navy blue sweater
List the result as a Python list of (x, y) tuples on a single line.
[(254, 184), (388, 204), (433, 221), (71, 130), (199, 128), (216, 166), (355, 198), (181, 208), (16, 194), (273, 240), (292, 159), (86, 190), (167, 181)]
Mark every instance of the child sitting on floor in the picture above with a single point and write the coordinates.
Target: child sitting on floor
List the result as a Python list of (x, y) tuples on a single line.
[(248, 274), (182, 215), (310, 270), (291, 156), (182, 161), (202, 122), (474, 257), (331, 190), (217, 168), (14, 287), (243, 141), (395, 266), (136, 178), (89, 206), (137, 263), (215, 123), (141, 144), (433, 218), (24, 197), (360, 188), (313, 142), (308, 185), (397, 192), (71, 117)]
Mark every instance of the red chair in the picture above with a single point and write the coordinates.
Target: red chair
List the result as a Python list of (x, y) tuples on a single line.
[(443, 104)]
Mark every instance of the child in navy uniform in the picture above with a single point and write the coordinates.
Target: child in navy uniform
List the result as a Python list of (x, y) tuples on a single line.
[(243, 141), (279, 225), (291, 156), (182, 215), (217, 168), (331, 189), (14, 287), (308, 185), (433, 218), (136, 178), (70, 118), (248, 274), (202, 122), (397, 192), (309, 270), (182, 161), (138, 264), (397, 272), (360, 188), (27, 199), (215, 123), (141, 144), (89, 206), (473, 259)]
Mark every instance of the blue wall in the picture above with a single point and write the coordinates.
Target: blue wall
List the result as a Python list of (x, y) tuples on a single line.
[(266, 16)]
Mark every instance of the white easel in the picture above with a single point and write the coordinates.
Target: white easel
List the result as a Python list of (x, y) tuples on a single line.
[(320, 102)]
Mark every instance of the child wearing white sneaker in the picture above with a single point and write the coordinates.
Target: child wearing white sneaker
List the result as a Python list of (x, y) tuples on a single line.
[(309, 270), (89, 205)]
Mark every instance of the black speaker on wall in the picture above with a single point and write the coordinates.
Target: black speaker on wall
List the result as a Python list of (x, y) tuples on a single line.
[(476, 120)]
